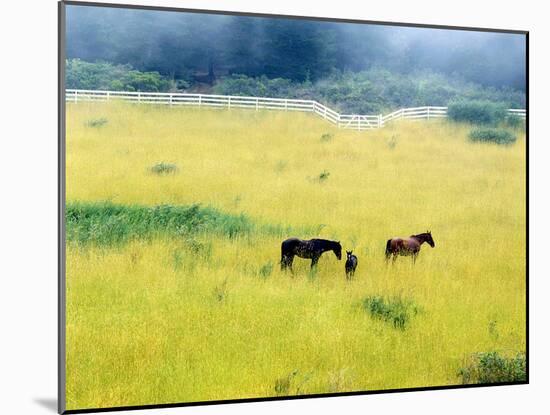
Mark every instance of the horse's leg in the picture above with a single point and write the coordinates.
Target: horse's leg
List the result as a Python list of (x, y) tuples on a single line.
[(414, 255), (286, 262), (314, 261), (290, 261), (394, 258)]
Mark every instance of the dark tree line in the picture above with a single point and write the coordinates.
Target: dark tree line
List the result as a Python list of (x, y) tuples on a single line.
[(199, 47)]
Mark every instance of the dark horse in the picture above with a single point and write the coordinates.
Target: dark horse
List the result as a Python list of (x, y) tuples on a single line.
[(351, 264), (408, 246), (312, 249)]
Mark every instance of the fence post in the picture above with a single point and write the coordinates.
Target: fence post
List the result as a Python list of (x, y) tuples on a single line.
[(170, 99), (286, 104), (228, 103), (325, 113), (200, 100), (428, 113), (257, 103), (359, 123), (76, 96), (139, 96), (379, 120), (108, 95)]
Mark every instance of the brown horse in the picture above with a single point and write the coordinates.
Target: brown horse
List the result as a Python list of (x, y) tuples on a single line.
[(408, 246)]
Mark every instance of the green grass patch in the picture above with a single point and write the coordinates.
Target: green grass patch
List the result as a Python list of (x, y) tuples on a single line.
[(96, 122), (492, 135), (396, 311), (491, 367), (164, 168), (106, 223)]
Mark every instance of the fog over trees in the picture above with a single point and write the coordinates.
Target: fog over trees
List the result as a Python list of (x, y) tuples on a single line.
[(176, 43), (192, 48)]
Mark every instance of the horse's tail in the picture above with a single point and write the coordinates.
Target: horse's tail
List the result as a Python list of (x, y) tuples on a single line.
[(388, 248)]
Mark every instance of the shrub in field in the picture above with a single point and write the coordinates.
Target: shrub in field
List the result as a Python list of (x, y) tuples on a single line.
[(395, 311), (324, 175), (492, 135), (491, 367), (164, 168), (477, 112), (327, 137), (96, 122)]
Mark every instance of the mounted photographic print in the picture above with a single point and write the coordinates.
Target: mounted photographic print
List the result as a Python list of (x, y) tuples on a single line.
[(264, 207)]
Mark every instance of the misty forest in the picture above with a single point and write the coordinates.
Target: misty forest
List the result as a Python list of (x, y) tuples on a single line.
[(362, 68)]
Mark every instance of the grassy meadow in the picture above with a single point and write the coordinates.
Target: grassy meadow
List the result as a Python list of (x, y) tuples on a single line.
[(186, 302)]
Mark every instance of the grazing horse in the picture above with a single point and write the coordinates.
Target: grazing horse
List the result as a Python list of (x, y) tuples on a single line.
[(351, 264), (408, 246), (312, 249)]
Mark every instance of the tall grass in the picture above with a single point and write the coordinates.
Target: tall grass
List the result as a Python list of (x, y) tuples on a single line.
[(105, 223), (162, 318)]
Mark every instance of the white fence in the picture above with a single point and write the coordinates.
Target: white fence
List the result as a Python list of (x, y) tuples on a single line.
[(351, 121)]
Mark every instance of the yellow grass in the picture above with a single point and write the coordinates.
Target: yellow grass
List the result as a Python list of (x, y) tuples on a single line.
[(150, 322)]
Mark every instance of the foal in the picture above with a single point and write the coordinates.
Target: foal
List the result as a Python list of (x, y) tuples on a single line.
[(351, 264)]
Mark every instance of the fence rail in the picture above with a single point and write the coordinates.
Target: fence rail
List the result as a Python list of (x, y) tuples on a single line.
[(350, 121)]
